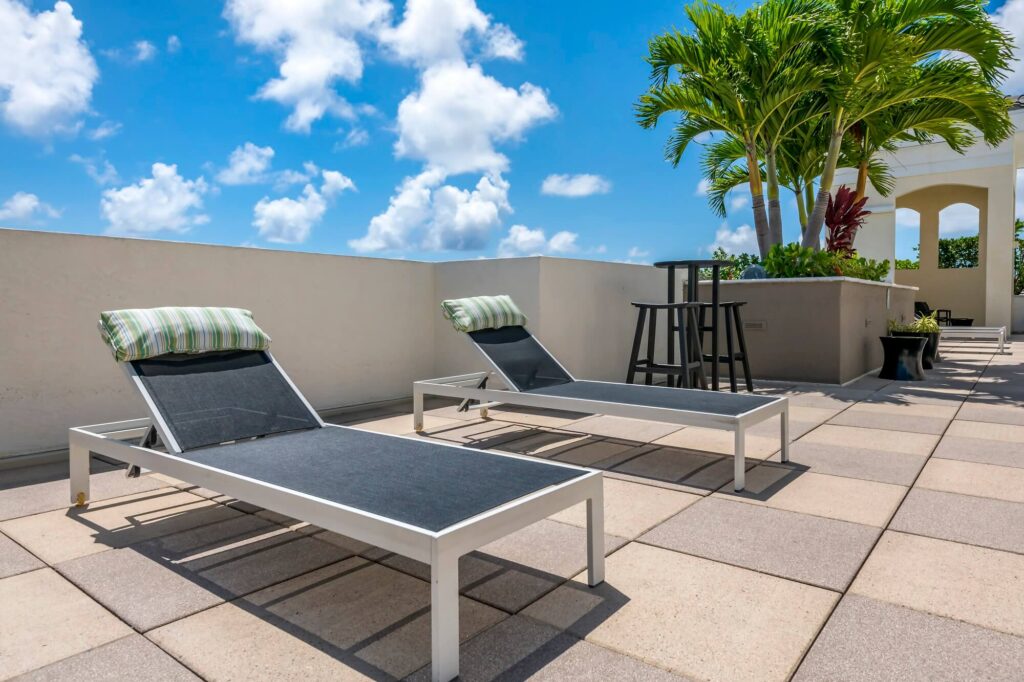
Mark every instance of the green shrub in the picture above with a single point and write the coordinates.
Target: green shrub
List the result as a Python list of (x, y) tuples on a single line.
[(794, 260), (925, 324)]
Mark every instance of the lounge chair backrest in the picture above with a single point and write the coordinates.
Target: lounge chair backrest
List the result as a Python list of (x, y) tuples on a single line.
[(218, 397), (921, 309), (520, 358)]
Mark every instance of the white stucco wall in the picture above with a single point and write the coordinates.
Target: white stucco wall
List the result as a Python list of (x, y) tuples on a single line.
[(348, 330)]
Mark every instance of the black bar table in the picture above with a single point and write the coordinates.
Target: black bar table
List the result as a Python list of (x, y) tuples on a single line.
[(693, 268)]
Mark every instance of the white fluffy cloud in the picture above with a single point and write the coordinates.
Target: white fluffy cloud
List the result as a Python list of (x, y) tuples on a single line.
[(143, 51), (165, 201), (423, 213), (1011, 18), (502, 43), (173, 44), (104, 130), (703, 187), (458, 115), (738, 202), (46, 71), (575, 185), (637, 252), (315, 44), (522, 241), (433, 31), (741, 240), (247, 165), (99, 169), (25, 208), (290, 221)]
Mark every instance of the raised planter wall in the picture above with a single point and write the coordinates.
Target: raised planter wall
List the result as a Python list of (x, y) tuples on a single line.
[(1018, 314), (816, 329)]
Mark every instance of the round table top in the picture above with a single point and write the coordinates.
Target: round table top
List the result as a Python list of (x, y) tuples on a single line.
[(690, 263)]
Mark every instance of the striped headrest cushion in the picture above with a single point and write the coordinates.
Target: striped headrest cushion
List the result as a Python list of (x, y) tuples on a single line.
[(483, 312), (141, 333)]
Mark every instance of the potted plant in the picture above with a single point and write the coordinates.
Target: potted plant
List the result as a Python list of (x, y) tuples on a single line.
[(925, 326)]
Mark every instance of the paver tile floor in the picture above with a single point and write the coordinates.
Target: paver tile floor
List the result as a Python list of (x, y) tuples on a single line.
[(889, 547)]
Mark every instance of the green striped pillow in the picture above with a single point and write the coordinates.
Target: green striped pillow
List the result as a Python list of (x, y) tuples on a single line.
[(483, 312), (141, 333)]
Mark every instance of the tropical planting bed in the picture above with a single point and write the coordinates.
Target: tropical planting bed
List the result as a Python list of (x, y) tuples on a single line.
[(816, 329)]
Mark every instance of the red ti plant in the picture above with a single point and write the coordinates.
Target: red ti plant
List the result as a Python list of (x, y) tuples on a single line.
[(843, 217)]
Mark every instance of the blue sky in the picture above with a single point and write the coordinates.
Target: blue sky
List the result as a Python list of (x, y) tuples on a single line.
[(434, 129)]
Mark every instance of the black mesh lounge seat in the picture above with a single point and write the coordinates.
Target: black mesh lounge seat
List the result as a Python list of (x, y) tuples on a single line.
[(233, 422), (536, 379)]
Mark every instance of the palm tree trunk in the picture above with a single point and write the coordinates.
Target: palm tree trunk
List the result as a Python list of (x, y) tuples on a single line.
[(774, 208), (757, 202), (808, 204), (812, 235), (862, 179), (801, 208)]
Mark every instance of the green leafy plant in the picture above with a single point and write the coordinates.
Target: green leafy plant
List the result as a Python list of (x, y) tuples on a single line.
[(925, 324), (794, 260), (907, 264), (739, 263)]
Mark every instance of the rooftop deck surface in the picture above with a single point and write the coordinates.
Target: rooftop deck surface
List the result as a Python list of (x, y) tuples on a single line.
[(890, 547)]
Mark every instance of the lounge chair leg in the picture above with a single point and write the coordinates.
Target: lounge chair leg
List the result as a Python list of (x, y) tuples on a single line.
[(784, 432), (444, 616), (78, 465), (417, 408), (740, 463), (595, 537)]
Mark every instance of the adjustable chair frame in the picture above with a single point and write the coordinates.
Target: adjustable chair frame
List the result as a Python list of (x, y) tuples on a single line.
[(472, 387), (440, 550)]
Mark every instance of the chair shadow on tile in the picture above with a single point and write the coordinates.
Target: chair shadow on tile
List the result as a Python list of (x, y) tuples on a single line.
[(764, 482)]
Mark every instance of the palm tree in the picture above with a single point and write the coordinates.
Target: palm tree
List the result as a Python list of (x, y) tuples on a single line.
[(896, 52), (736, 75)]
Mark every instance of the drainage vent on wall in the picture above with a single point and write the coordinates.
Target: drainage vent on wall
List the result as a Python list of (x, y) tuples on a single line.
[(755, 325)]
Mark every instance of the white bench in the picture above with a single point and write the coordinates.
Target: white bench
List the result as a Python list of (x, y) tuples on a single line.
[(997, 334)]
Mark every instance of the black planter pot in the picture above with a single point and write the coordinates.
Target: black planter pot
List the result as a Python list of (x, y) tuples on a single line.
[(930, 354), (961, 322), (902, 358)]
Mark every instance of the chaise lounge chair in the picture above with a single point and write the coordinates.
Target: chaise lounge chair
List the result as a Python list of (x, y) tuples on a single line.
[(535, 378), (995, 334), (231, 420)]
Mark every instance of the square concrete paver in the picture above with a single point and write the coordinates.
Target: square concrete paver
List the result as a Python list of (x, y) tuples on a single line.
[(972, 584), (346, 621), (962, 518), (914, 418), (811, 549), (880, 439), (870, 640), (14, 559), (854, 461), (1008, 433), (971, 478), (835, 497), (479, 434), (532, 416), (698, 472), (22, 498), (695, 617), (638, 430), (401, 424), (155, 582), (66, 534), (1002, 453), (44, 619), (521, 648), (517, 569), (630, 508), (1004, 412), (111, 663), (717, 441)]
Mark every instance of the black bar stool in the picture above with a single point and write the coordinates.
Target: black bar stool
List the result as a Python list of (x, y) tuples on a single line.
[(693, 268), (682, 330), (733, 337)]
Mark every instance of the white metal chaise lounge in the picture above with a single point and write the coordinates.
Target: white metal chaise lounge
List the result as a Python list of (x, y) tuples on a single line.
[(233, 421), (536, 379), (995, 334)]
